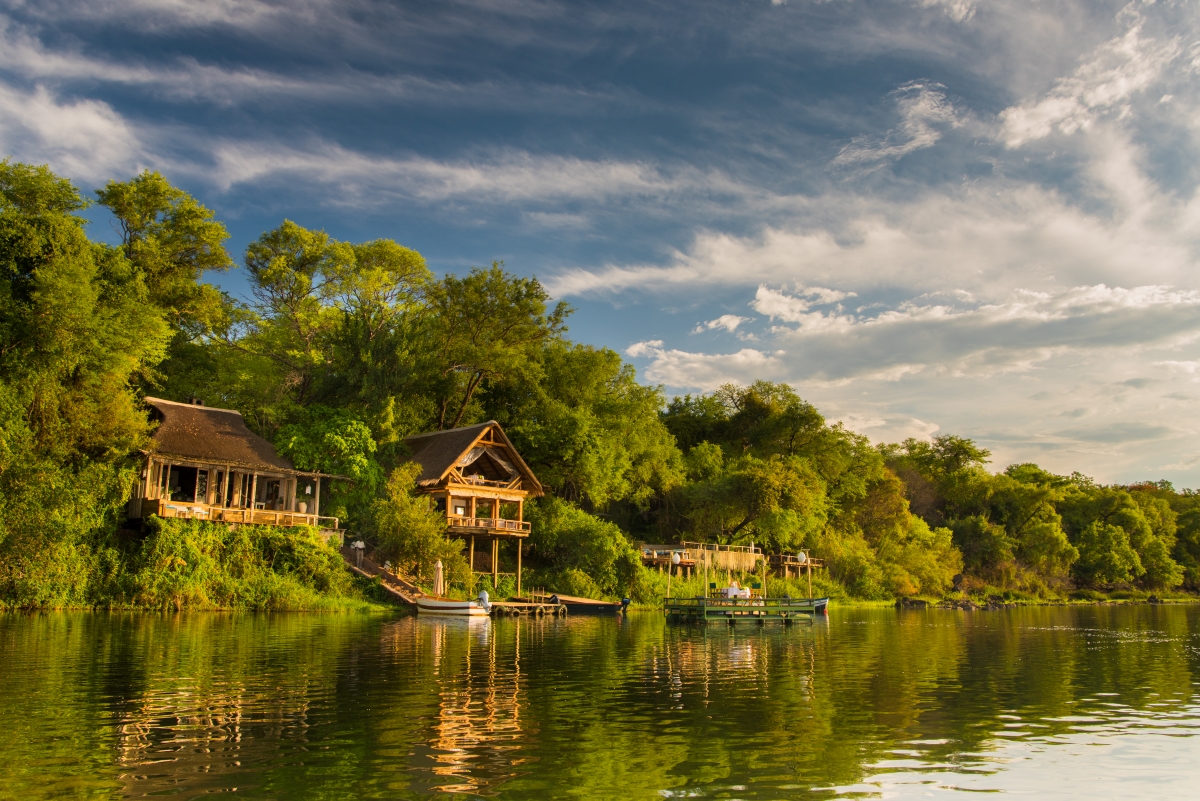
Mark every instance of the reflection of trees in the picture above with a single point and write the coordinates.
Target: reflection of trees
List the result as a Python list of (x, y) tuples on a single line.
[(345, 705)]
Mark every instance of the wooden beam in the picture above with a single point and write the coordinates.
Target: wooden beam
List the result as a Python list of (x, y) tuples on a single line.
[(253, 494), (317, 497)]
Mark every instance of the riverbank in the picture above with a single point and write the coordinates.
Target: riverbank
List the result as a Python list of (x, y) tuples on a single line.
[(197, 565)]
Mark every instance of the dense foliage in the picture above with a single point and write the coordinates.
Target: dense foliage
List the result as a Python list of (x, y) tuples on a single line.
[(343, 349)]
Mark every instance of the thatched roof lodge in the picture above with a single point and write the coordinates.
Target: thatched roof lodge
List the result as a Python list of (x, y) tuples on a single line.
[(475, 477), (205, 463)]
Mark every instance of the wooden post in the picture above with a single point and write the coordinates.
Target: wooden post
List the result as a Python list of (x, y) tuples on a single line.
[(495, 559), (520, 510), (518, 568), (253, 495), (225, 487), (471, 507), (317, 498), (808, 563), (471, 557)]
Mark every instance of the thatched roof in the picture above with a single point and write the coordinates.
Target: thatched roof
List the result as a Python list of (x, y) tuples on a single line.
[(439, 451), (218, 436)]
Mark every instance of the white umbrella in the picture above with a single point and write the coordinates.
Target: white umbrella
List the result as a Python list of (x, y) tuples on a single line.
[(439, 583)]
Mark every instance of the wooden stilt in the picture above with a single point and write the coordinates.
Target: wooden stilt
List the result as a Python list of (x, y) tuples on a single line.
[(471, 559), (495, 561), (518, 568)]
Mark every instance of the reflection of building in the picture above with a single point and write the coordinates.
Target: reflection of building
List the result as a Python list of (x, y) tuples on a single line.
[(478, 727), (207, 464), (478, 480)]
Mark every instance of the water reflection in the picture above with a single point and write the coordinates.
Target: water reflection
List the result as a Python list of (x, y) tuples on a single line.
[(871, 704)]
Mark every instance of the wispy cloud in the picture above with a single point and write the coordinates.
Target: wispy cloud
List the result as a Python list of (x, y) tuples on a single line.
[(924, 111), (1104, 82), (85, 139)]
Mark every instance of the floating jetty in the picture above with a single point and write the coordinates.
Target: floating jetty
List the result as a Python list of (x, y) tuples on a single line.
[(537, 609), (744, 610)]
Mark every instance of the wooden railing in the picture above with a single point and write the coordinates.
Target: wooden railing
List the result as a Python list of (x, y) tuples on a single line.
[(517, 526), (221, 514)]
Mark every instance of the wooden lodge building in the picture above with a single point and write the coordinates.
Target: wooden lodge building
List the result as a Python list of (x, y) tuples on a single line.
[(206, 464), (476, 478)]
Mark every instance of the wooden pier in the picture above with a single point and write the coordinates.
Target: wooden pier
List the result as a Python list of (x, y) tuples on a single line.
[(744, 610), (539, 609)]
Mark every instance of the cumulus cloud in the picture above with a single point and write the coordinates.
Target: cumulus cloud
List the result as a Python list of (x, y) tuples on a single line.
[(986, 339), (924, 110), (794, 308), (1104, 82), (729, 322)]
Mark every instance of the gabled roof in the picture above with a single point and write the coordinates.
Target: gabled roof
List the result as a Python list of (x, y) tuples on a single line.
[(439, 451), (207, 434)]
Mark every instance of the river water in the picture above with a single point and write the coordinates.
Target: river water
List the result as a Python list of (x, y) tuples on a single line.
[(1052, 702)]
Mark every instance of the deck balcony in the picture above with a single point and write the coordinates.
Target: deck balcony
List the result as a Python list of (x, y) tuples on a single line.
[(225, 514), (487, 526)]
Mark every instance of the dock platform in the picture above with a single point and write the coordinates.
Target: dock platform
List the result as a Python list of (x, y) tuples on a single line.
[(744, 610), (538, 609)]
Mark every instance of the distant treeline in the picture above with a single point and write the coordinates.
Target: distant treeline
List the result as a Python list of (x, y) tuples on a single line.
[(343, 349)]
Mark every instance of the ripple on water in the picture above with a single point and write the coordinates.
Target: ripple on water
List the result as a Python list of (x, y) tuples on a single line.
[(1056, 702)]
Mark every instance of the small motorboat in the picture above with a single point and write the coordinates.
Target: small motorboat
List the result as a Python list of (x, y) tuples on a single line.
[(437, 605)]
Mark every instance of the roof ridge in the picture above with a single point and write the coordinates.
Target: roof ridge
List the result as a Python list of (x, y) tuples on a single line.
[(149, 399), (450, 430)]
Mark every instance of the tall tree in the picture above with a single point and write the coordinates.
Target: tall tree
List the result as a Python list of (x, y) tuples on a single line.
[(488, 326)]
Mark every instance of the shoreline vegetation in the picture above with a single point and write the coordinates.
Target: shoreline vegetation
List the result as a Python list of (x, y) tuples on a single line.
[(343, 349)]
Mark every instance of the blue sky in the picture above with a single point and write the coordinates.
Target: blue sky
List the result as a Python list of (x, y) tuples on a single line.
[(928, 216)]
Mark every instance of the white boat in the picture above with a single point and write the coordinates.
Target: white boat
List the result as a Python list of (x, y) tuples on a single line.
[(434, 605), (440, 605)]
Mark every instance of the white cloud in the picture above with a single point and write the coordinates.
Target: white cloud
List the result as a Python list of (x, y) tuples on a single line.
[(83, 139), (794, 308), (502, 177), (983, 340), (923, 110), (1106, 81), (171, 14), (957, 10), (729, 322), (989, 240), (677, 368)]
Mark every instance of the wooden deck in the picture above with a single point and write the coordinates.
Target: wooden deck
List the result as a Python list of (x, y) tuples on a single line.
[(222, 514), (487, 526)]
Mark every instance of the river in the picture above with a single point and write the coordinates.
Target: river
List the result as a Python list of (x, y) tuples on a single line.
[(1064, 702)]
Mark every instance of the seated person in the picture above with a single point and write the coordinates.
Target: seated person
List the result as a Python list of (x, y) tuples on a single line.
[(734, 591)]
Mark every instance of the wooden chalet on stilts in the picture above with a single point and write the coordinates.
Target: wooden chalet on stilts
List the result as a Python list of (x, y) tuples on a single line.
[(206, 464), (476, 478)]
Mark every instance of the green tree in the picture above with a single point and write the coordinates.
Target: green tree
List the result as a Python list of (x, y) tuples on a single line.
[(411, 535), (488, 327), (77, 329)]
